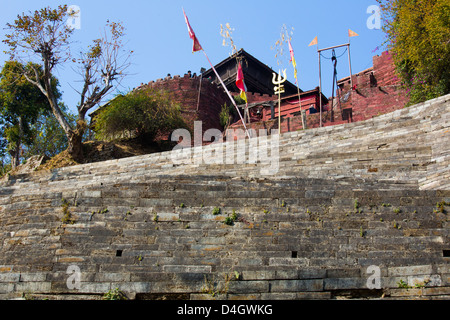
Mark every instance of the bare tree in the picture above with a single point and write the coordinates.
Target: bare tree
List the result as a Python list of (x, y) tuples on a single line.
[(45, 37)]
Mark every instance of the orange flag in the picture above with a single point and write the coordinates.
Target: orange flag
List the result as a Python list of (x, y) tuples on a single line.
[(196, 46), (314, 42), (352, 33)]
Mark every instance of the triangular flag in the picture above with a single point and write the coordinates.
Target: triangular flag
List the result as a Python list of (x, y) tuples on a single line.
[(352, 33), (314, 42), (240, 82), (196, 46), (294, 63)]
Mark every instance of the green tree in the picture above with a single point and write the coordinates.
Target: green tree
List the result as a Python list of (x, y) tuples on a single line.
[(144, 114), (418, 35), (44, 36), (21, 103)]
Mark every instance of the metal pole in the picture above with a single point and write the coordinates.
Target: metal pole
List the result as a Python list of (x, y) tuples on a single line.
[(341, 45), (351, 78), (200, 87), (300, 104), (350, 66), (279, 112), (320, 89)]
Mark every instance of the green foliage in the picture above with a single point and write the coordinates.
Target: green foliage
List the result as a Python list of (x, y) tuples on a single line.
[(440, 206), (356, 205), (67, 215), (230, 220), (418, 35), (216, 211), (403, 284), (114, 294), (224, 116), (362, 233), (144, 114), (239, 101)]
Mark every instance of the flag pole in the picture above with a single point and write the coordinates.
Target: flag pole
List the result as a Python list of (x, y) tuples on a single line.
[(301, 111), (228, 93), (198, 47), (320, 86), (350, 34), (294, 64)]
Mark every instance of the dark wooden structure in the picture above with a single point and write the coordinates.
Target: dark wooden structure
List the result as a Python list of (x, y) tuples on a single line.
[(257, 75)]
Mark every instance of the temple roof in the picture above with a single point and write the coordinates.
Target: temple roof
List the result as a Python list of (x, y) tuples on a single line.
[(257, 75)]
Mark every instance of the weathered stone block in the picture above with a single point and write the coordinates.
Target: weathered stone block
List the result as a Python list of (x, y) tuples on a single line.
[(296, 285), (186, 269), (258, 275), (248, 286), (9, 277), (410, 270), (35, 287), (344, 283)]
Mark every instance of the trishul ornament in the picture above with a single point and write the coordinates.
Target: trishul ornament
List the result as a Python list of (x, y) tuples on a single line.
[(279, 89)]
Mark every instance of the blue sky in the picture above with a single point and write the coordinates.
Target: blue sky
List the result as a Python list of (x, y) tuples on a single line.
[(157, 33)]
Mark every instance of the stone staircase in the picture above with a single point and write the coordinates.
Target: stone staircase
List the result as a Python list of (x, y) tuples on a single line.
[(354, 210)]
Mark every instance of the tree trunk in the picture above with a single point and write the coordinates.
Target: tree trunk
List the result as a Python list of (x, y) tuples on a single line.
[(15, 156), (75, 141), (75, 148), (15, 153)]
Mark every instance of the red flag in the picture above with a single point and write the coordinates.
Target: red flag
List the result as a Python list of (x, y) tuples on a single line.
[(240, 82), (196, 46)]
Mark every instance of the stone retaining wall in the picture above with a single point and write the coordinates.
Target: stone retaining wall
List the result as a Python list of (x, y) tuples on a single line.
[(357, 210)]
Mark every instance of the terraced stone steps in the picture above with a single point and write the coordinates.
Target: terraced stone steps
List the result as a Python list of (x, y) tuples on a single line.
[(346, 199)]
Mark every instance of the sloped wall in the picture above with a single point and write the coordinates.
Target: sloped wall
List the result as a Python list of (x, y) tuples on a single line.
[(353, 210)]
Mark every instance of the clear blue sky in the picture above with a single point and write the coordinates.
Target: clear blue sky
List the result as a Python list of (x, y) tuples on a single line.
[(157, 33)]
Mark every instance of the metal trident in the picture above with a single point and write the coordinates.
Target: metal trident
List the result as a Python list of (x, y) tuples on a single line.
[(279, 89), (278, 82)]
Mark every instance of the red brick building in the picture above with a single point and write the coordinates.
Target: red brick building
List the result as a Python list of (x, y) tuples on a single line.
[(375, 91), (262, 103)]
